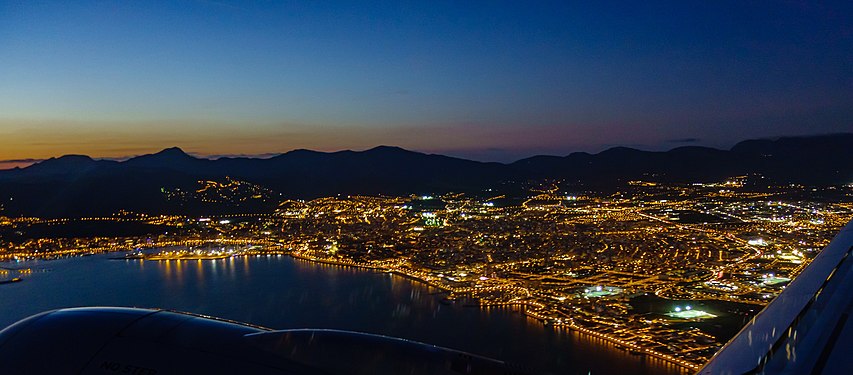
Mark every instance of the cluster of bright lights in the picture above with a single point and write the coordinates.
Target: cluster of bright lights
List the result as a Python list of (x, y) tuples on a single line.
[(687, 312), (757, 242), (772, 279), (601, 291)]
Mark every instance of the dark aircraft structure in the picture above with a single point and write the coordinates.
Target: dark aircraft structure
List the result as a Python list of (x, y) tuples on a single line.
[(113, 340), (805, 330)]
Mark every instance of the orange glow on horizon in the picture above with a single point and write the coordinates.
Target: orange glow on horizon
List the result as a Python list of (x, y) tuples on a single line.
[(118, 140)]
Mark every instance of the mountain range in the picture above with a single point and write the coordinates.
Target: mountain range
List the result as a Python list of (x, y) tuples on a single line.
[(76, 185)]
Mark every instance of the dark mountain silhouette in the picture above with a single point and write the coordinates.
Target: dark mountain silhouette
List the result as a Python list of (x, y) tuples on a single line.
[(64, 165), (171, 158), (76, 185)]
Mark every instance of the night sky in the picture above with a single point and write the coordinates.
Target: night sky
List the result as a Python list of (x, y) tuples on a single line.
[(485, 80)]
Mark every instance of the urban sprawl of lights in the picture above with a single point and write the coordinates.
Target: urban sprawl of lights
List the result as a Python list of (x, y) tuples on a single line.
[(588, 261)]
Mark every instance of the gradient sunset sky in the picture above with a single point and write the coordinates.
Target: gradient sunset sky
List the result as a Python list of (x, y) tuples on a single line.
[(488, 80)]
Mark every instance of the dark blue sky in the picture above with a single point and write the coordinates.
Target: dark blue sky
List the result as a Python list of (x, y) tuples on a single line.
[(489, 80)]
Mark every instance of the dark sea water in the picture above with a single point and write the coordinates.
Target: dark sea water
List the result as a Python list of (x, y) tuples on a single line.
[(280, 292)]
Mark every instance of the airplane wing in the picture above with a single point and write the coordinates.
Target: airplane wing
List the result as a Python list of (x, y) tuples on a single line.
[(111, 340), (804, 330)]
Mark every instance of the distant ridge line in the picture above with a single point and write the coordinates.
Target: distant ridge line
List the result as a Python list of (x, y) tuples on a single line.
[(79, 185)]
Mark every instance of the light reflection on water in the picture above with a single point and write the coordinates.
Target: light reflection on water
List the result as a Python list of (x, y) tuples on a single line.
[(280, 292)]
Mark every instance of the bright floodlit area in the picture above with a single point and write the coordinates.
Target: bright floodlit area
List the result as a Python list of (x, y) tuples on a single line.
[(687, 312), (769, 281), (601, 291)]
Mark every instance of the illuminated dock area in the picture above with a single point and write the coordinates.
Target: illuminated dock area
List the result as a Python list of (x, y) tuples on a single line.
[(191, 255)]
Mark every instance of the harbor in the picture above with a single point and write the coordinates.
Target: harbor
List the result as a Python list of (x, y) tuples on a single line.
[(209, 253)]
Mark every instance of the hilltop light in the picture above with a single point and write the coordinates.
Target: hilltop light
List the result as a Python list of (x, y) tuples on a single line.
[(677, 309), (687, 307)]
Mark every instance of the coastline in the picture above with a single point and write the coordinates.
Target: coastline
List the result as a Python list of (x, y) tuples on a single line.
[(545, 321), (527, 308)]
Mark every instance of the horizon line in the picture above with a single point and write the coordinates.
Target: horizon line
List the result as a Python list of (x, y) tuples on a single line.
[(23, 163)]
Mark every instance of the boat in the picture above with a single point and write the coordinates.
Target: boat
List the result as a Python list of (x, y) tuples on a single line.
[(14, 280)]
